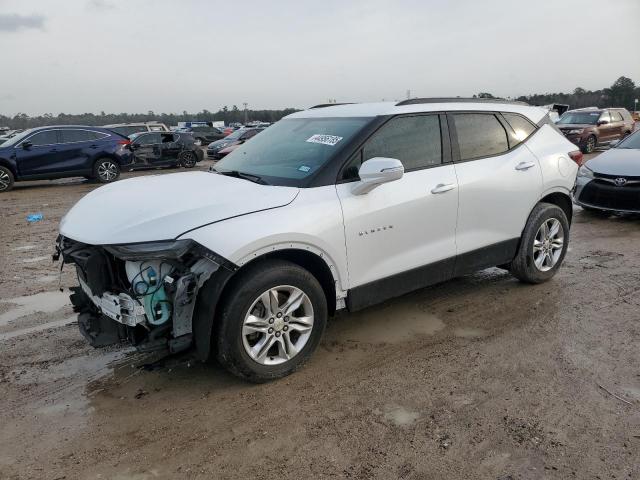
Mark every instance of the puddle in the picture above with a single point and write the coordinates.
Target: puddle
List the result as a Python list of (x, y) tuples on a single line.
[(23, 248), (400, 416), (392, 324), (48, 279), (36, 259), (46, 302), (37, 328), (466, 332)]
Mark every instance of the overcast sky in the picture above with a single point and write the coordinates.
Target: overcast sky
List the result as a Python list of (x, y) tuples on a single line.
[(79, 56)]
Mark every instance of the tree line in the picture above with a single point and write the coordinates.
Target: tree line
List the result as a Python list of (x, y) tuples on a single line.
[(622, 93), (226, 114)]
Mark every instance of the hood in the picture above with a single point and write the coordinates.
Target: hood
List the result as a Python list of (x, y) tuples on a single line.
[(162, 207), (617, 161), (571, 126)]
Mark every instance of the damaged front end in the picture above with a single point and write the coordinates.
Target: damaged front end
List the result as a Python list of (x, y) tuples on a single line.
[(143, 292)]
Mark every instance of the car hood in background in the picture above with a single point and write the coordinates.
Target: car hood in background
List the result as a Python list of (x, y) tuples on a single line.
[(571, 126), (163, 207), (617, 161)]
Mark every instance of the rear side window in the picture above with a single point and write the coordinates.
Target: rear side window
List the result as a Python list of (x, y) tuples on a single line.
[(615, 116), (48, 137), (521, 128), (128, 130), (149, 139), (479, 135), (415, 141), (72, 136), (604, 117)]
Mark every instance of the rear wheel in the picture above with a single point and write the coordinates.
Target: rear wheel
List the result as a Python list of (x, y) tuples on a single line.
[(106, 170), (271, 321), (590, 145), (188, 159), (543, 244), (6, 179)]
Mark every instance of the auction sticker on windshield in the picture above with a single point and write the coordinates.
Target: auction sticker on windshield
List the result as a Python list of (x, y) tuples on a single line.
[(330, 140)]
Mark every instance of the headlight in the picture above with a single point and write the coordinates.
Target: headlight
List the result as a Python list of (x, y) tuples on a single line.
[(577, 131), (585, 172), (165, 249)]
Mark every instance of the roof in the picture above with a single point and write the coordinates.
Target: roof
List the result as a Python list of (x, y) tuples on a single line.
[(424, 105)]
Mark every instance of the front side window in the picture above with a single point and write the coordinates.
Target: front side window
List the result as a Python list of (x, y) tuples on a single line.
[(48, 137), (148, 139), (292, 149), (604, 117), (521, 128), (415, 141), (479, 135)]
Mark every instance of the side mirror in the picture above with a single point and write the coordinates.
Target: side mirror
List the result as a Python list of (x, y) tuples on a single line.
[(602, 122), (614, 143), (27, 145), (375, 172)]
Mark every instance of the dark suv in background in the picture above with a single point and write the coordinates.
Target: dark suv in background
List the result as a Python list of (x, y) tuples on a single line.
[(46, 153), (589, 127)]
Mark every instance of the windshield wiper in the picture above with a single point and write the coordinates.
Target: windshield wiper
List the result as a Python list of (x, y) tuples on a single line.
[(244, 176)]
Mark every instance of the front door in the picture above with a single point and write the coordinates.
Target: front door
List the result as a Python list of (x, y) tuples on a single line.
[(406, 226), (146, 149), (38, 154)]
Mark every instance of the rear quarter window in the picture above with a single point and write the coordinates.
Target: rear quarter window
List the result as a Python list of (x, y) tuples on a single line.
[(521, 128)]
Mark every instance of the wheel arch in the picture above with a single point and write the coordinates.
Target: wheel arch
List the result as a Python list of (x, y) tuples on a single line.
[(560, 199), (217, 287), (12, 168)]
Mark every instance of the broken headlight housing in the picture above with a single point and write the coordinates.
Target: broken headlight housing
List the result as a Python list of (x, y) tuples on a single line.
[(164, 249)]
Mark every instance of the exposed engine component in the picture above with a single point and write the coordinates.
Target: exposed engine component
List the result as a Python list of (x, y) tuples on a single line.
[(147, 281)]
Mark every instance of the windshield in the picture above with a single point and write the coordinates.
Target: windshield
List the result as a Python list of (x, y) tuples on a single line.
[(292, 149), (632, 141), (589, 118), (15, 140)]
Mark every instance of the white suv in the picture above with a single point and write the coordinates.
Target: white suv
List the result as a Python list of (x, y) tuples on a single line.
[(338, 206)]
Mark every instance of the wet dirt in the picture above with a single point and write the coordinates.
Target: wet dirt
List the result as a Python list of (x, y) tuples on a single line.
[(479, 377)]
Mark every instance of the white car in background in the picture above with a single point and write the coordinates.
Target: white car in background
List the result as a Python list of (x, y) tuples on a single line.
[(339, 206)]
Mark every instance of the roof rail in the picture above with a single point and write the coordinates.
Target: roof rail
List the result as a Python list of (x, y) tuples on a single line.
[(324, 105), (415, 101)]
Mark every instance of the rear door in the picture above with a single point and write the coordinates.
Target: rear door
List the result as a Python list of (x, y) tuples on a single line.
[(41, 156), (617, 125), (500, 181), (607, 130), (402, 226), (170, 147), (78, 148)]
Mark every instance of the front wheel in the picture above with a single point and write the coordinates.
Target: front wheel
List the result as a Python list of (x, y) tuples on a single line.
[(590, 144), (543, 244), (106, 170), (271, 321), (188, 159), (6, 179)]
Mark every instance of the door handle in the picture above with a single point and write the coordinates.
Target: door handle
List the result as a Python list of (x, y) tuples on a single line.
[(443, 187), (525, 165), (93, 146)]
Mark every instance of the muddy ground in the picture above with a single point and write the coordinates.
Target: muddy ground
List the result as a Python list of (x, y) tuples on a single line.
[(480, 377)]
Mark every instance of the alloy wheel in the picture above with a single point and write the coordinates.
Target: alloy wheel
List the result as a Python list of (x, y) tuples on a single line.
[(5, 180), (188, 160), (278, 325), (591, 144), (548, 244), (107, 171)]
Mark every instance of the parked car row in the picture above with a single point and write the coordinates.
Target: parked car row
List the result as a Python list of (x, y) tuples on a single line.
[(96, 153), (589, 128)]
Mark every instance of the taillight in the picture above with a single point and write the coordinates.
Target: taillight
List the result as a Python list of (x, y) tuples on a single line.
[(577, 157), (124, 142)]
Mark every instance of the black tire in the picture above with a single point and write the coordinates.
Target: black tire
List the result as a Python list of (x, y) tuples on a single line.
[(6, 179), (106, 170), (243, 291), (188, 159), (523, 266), (590, 144)]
